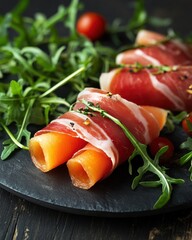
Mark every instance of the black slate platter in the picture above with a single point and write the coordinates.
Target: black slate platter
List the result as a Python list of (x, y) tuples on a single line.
[(112, 197)]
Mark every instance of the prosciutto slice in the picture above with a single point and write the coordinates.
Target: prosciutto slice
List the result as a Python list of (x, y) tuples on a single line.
[(153, 49), (168, 90), (98, 134), (102, 132)]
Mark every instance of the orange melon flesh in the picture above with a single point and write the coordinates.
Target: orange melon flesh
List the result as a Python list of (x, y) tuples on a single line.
[(88, 167), (159, 113), (50, 150)]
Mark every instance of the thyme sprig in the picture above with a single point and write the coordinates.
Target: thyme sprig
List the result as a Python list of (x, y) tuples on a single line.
[(149, 165), (136, 67)]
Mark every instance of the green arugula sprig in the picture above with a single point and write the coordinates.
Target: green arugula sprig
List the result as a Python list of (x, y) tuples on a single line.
[(149, 164), (187, 157), (37, 61), (172, 121), (36, 55), (139, 19), (22, 108)]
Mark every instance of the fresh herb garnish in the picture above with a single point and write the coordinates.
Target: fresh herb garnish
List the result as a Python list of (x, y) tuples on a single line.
[(155, 70), (35, 60), (187, 157), (35, 57), (149, 164), (139, 20), (21, 107)]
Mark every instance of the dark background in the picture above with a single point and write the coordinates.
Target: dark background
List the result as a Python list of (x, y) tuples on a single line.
[(179, 11)]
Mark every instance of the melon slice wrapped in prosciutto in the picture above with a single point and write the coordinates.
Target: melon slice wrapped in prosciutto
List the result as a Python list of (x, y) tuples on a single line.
[(150, 86), (92, 145), (154, 49)]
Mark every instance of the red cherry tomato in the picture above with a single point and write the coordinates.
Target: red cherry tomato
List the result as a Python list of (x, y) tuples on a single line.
[(157, 144), (187, 124), (92, 25)]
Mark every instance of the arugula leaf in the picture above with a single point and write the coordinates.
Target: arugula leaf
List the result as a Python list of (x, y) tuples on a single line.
[(10, 146), (173, 120), (139, 20), (149, 165), (21, 109), (139, 17), (71, 20), (20, 8), (36, 60), (187, 144), (187, 157), (13, 143)]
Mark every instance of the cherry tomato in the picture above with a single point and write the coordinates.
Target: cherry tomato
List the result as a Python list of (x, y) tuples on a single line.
[(187, 124), (92, 25), (157, 144)]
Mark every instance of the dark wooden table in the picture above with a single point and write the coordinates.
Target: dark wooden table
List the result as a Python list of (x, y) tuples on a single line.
[(23, 220), (20, 219)]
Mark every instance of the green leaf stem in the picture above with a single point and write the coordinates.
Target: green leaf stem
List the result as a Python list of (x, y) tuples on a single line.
[(149, 165)]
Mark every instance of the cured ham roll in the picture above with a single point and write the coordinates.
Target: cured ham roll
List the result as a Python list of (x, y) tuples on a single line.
[(168, 90), (100, 144), (154, 49), (146, 37)]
